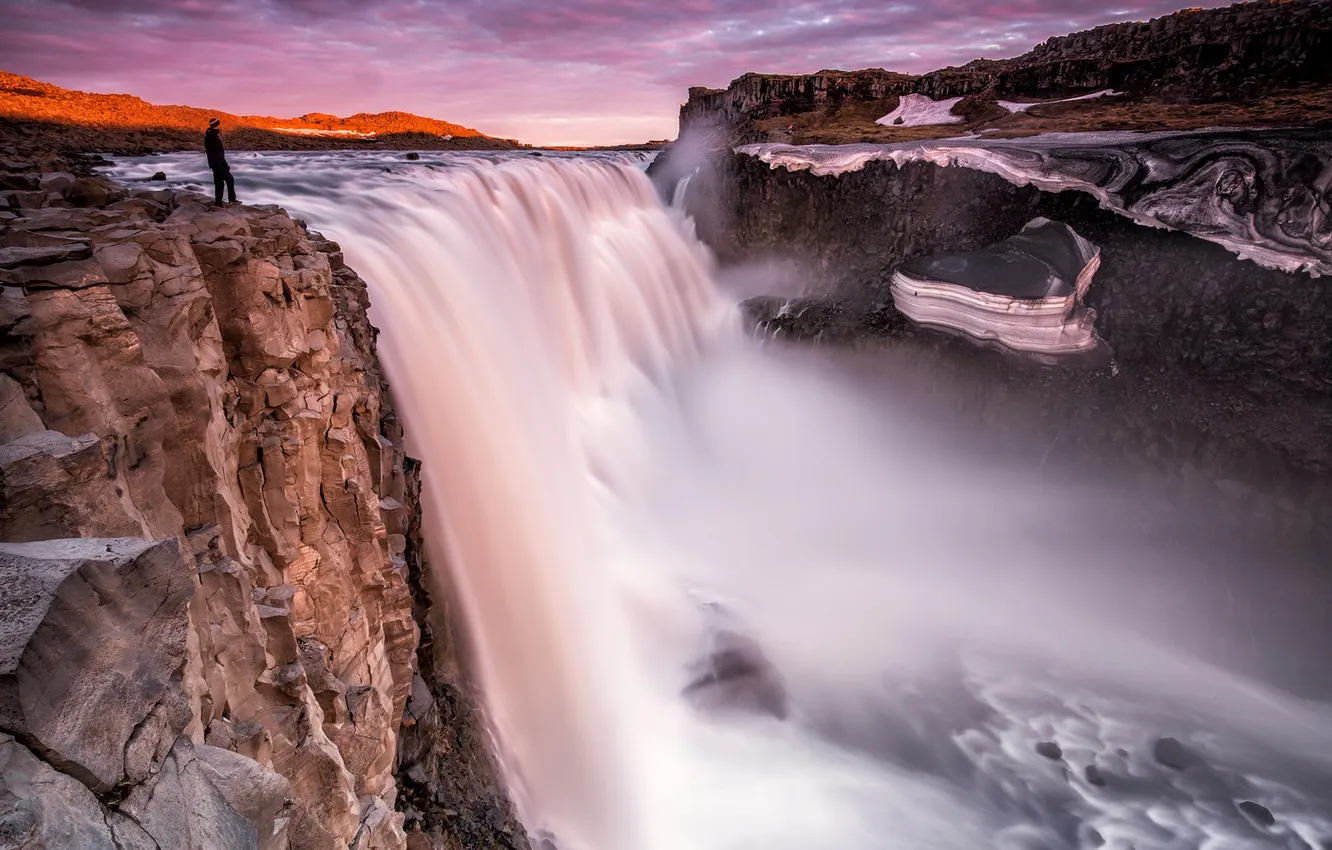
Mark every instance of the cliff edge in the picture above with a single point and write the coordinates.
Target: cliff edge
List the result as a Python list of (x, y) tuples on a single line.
[(211, 568)]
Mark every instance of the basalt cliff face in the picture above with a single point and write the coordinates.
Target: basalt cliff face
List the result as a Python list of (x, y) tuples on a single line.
[(1213, 371), (212, 570), (1252, 63)]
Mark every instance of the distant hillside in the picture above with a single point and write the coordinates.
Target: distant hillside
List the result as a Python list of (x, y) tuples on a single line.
[(37, 115), (1263, 63)]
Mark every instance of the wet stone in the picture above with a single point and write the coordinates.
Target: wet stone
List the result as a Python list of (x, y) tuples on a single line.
[(1169, 752), (1257, 813), (1093, 775), (1050, 750)]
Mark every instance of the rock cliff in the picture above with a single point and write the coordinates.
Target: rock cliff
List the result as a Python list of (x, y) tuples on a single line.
[(1243, 52), (1219, 368), (211, 568)]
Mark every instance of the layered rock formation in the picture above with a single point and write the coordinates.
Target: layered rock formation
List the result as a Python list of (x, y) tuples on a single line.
[(211, 634), (1221, 368), (1244, 52)]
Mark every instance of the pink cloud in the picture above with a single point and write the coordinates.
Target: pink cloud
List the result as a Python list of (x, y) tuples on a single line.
[(572, 72)]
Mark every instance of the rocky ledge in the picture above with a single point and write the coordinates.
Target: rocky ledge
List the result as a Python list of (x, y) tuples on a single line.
[(211, 575)]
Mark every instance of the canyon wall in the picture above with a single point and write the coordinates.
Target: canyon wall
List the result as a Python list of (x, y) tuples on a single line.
[(1194, 56), (212, 567), (1215, 370)]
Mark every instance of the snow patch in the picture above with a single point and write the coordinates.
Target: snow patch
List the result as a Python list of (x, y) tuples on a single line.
[(917, 110), (1014, 106)]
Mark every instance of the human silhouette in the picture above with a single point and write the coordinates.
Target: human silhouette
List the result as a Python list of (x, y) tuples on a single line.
[(217, 161)]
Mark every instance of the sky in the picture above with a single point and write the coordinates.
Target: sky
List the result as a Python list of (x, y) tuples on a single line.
[(542, 71)]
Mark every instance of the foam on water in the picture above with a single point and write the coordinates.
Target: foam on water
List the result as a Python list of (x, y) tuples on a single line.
[(608, 460)]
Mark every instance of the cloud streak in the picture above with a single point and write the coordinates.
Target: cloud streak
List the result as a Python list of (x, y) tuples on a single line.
[(545, 71)]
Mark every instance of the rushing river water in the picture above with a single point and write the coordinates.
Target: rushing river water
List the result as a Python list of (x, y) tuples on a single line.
[(621, 481)]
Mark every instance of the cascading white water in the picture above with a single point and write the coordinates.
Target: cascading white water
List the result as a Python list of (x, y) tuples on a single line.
[(605, 455)]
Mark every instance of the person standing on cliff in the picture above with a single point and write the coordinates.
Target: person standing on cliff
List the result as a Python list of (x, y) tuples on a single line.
[(217, 161)]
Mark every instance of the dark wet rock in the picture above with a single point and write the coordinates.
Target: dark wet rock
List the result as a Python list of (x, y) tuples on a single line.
[(1095, 839), (160, 175), (413, 156), (1259, 814), (1094, 776), (1169, 752), (1050, 750), (737, 676)]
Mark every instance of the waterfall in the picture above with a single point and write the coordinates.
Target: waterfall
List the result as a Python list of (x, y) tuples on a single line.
[(615, 476), (521, 311)]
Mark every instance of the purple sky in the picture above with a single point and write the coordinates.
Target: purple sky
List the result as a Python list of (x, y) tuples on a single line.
[(544, 71)]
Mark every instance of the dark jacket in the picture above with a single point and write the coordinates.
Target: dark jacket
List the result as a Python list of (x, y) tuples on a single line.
[(217, 158)]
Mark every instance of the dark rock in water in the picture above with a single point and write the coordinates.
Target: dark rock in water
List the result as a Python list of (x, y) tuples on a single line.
[(413, 156), (1050, 750), (736, 675), (898, 120), (160, 175), (1169, 752), (1095, 839), (1259, 814), (1094, 776)]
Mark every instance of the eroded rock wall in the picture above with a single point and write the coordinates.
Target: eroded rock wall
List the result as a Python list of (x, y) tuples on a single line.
[(203, 378), (1220, 371)]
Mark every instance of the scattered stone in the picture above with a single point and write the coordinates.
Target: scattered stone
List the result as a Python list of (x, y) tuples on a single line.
[(413, 156), (159, 175), (1259, 814), (1169, 752), (1094, 776), (1050, 750)]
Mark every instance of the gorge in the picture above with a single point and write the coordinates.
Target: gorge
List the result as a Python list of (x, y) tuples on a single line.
[(895, 461)]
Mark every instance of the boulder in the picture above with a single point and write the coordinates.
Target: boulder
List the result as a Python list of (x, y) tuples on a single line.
[(1049, 750), (1258, 813), (43, 809), (256, 793), (181, 808), (737, 676), (1171, 753), (91, 643)]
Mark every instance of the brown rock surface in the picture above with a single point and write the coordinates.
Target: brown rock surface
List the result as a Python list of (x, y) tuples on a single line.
[(91, 647), (204, 378)]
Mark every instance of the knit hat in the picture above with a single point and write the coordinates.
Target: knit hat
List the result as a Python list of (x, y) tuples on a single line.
[(214, 122)]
